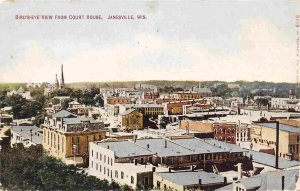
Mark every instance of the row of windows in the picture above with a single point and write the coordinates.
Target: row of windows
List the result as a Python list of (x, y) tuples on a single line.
[(105, 159), (54, 139), (222, 131), (109, 173)]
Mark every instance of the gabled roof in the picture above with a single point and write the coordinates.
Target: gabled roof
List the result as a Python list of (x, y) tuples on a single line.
[(128, 112), (63, 113)]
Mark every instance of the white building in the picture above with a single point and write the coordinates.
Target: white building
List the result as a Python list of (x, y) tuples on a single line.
[(285, 103), (123, 162), (27, 135), (242, 133)]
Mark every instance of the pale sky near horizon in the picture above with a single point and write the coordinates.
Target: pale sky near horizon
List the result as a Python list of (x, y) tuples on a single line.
[(179, 40)]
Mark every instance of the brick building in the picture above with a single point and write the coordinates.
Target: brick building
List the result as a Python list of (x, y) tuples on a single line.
[(225, 132)]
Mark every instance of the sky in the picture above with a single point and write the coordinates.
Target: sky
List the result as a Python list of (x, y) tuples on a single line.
[(178, 40)]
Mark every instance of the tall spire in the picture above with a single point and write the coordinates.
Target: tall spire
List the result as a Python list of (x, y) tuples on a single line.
[(56, 82), (62, 80)]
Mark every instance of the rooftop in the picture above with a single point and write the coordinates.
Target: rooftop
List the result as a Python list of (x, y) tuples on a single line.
[(24, 131), (268, 181), (125, 148), (191, 177), (225, 146), (127, 112), (198, 145), (158, 146), (282, 127), (63, 113), (269, 160)]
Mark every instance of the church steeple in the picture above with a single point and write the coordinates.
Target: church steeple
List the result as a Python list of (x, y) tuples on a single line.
[(56, 82), (62, 80)]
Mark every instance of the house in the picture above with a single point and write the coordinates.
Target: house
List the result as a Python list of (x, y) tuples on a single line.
[(27, 135)]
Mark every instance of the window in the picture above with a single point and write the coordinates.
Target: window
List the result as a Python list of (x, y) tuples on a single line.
[(116, 174), (100, 156), (108, 172), (92, 153), (96, 155), (96, 166), (132, 180), (100, 168), (111, 161), (104, 170), (108, 160), (122, 175), (92, 164), (104, 158)]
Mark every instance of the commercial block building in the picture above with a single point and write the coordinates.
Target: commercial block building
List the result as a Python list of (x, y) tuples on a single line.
[(289, 138), (67, 136)]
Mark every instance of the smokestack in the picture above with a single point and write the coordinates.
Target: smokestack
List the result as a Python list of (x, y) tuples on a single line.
[(166, 144), (282, 182), (200, 181)]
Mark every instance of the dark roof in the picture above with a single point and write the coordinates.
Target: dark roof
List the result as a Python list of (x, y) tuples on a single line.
[(282, 127)]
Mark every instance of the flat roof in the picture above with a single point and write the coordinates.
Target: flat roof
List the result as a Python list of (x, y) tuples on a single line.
[(268, 181), (199, 146), (191, 177), (269, 160), (125, 148), (226, 146), (24, 131), (282, 127), (158, 146)]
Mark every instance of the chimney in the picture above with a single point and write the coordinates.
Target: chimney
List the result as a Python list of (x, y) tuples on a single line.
[(170, 170), (225, 180), (239, 166), (147, 146), (200, 181), (107, 146), (166, 143), (153, 169), (135, 161), (282, 182)]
